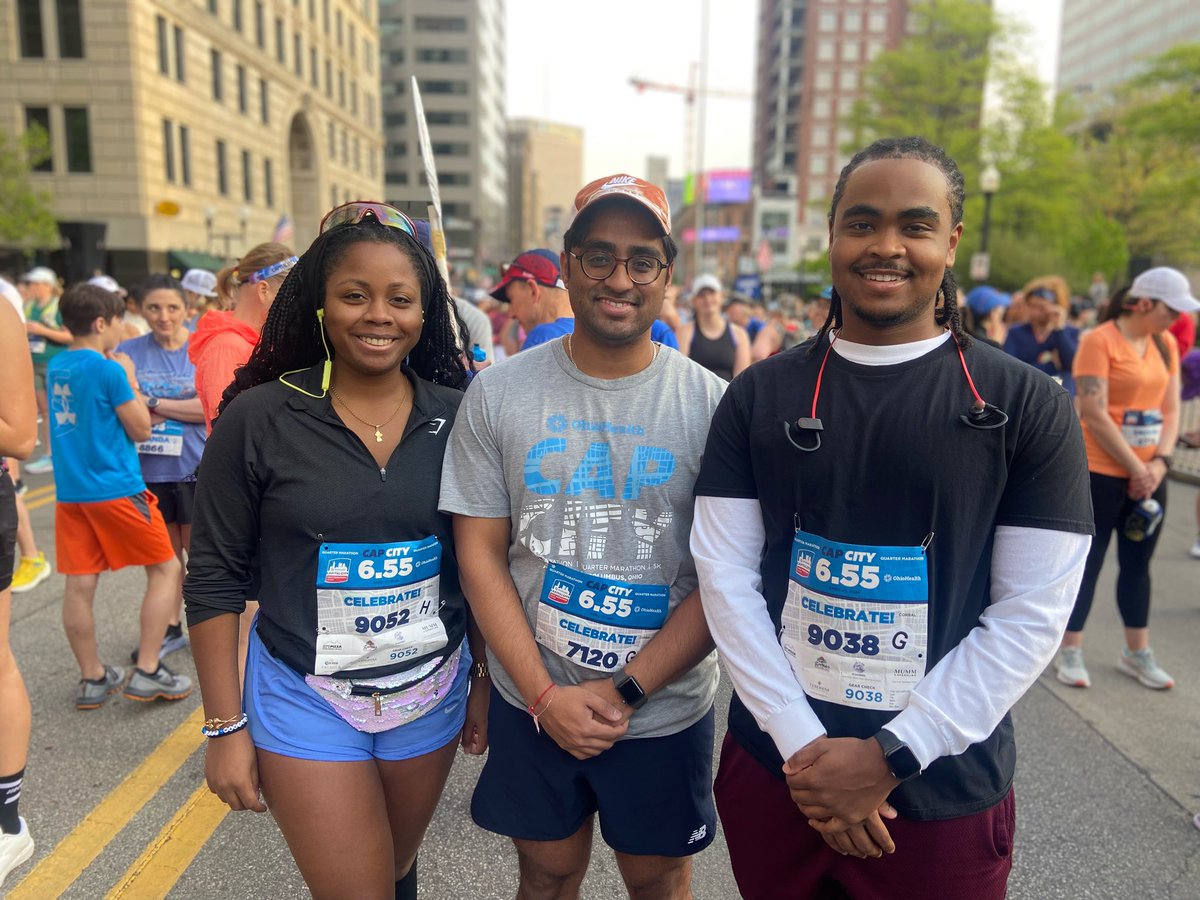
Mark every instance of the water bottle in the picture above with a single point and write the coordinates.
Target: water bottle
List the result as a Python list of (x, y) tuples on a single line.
[(1143, 519)]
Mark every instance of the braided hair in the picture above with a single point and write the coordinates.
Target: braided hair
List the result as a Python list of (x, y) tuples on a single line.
[(946, 314), (291, 337)]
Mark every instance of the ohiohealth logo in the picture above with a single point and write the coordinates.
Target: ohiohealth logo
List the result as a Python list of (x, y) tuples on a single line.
[(557, 424)]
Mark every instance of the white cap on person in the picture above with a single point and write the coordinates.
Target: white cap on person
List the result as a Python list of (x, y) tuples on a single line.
[(1168, 285), (200, 281)]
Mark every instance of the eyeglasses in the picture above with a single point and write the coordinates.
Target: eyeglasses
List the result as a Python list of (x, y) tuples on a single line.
[(599, 265), (354, 212)]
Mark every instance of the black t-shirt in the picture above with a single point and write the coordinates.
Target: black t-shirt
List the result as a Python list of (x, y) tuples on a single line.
[(282, 477), (897, 463)]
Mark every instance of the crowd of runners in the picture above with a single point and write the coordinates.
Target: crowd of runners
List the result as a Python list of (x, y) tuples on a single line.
[(396, 522)]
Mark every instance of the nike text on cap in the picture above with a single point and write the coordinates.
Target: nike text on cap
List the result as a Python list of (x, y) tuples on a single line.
[(645, 193)]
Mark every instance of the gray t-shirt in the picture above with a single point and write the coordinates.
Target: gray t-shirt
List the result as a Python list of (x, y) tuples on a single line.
[(596, 476)]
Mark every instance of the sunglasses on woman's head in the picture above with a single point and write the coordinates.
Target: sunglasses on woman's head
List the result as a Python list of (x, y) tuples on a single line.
[(354, 212)]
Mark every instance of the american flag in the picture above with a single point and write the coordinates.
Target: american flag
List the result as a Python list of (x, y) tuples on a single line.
[(285, 230)]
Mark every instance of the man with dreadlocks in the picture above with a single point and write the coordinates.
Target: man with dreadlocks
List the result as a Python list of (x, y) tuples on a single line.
[(882, 566), (321, 483)]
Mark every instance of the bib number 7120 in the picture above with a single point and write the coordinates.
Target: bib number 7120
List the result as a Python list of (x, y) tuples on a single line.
[(851, 574)]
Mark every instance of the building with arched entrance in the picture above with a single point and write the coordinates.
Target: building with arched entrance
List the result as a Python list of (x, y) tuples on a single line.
[(184, 131)]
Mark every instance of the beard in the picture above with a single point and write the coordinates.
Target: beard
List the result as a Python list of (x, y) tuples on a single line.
[(890, 318)]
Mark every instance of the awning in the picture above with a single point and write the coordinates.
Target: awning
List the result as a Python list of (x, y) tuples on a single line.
[(192, 259)]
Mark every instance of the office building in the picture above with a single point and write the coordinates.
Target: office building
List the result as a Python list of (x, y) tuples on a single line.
[(457, 53), (184, 131), (545, 170)]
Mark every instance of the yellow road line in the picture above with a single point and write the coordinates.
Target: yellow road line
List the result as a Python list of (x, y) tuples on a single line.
[(35, 493), (161, 864), (74, 853), (40, 502)]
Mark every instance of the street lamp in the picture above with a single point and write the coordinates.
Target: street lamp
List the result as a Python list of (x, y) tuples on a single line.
[(210, 219), (989, 184)]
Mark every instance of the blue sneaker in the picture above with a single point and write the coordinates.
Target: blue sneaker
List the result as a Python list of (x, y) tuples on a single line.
[(42, 466)]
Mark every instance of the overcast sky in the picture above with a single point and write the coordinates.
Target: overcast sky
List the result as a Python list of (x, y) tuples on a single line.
[(571, 62)]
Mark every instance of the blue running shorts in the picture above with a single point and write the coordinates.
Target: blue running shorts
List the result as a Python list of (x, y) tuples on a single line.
[(289, 718), (654, 795)]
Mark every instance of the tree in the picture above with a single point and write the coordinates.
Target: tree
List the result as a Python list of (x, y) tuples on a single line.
[(26, 215)]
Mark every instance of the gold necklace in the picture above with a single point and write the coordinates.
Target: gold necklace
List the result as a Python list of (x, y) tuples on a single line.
[(378, 434)]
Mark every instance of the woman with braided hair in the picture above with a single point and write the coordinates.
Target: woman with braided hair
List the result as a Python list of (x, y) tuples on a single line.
[(318, 490)]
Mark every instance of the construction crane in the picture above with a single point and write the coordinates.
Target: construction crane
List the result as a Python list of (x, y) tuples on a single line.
[(690, 92)]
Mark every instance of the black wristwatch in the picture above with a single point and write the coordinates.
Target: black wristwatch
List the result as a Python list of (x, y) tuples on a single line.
[(151, 403), (901, 761), (631, 692)]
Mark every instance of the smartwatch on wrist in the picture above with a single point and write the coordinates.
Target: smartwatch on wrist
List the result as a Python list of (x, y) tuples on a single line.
[(1166, 459), (631, 692), (151, 403), (901, 761)]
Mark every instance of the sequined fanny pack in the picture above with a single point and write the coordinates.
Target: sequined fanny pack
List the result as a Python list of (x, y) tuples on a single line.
[(381, 704)]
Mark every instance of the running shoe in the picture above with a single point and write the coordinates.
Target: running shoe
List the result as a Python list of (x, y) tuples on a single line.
[(1194, 553), (93, 694), (31, 572), (173, 640), (162, 684), (42, 466), (14, 850), (1069, 667), (1141, 665)]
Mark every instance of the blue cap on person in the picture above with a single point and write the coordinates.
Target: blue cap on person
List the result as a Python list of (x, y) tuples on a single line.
[(983, 299)]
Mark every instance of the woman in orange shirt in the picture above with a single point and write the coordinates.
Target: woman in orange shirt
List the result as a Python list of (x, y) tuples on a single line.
[(1127, 394)]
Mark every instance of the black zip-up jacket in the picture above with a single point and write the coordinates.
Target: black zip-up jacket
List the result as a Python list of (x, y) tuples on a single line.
[(281, 474)]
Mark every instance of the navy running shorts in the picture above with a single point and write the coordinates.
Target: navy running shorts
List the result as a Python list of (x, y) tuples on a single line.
[(290, 718), (175, 500), (654, 795), (8, 529)]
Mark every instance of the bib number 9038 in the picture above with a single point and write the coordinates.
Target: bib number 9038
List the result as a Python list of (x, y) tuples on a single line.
[(846, 641)]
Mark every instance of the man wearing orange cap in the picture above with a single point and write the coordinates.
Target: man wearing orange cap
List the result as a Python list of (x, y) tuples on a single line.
[(571, 486)]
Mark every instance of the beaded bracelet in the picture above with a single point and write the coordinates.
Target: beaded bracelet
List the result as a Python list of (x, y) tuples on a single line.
[(215, 728)]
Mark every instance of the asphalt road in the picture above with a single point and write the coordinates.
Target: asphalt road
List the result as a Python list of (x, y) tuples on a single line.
[(1107, 778)]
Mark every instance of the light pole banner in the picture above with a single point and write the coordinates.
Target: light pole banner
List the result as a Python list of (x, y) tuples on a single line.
[(436, 229)]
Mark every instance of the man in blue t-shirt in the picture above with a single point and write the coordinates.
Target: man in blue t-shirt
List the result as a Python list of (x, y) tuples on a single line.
[(104, 516), (533, 288)]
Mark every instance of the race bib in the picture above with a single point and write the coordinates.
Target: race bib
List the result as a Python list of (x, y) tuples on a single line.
[(855, 622), (377, 604), (596, 622), (1142, 427), (37, 344), (166, 439)]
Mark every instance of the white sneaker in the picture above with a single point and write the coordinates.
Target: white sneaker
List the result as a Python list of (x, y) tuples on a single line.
[(1069, 667), (1194, 553), (14, 850), (1141, 665)]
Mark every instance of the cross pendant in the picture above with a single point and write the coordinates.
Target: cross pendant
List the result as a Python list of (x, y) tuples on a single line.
[(378, 436)]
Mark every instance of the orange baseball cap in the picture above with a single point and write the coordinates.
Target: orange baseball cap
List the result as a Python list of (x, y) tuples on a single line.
[(649, 195)]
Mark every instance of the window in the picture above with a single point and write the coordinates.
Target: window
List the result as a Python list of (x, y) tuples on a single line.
[(438, 55), (443, 87), (312, 67), (455, 179), (218, 89), (342, 89), (818, 165), (368, 57), (312, 9), (247, 178), (374, 161), (237, 14), (851, 51), (268, 184), (852, 20), (821, 108), (849, 79), (328, 79), (29, 24), (325, 14), (264, 98), (396, 178), (164, 52), (369, 103), (332, 141), (352, 42), (824, 79), (333, 200), (213, 7), (280, 43), (39, 117), (354, 98), (439, 23), (876, 22), (820, 135), (168, 129), (396, 149), (298, 55), (874, 48), (443, 117), (827, 21), (243, 101), (180, 56), (825, 51), (451, 149), (345, 148), (79, 142), (338, 19), (185, 156), (70, 29), (357, 157), (260, 24), (395, 57), (222, 170)]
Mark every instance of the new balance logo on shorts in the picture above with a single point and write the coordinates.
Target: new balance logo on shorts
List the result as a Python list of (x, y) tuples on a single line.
[(699, 834)]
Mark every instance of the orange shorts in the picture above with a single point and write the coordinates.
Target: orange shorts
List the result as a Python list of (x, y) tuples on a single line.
[(95, 537)]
